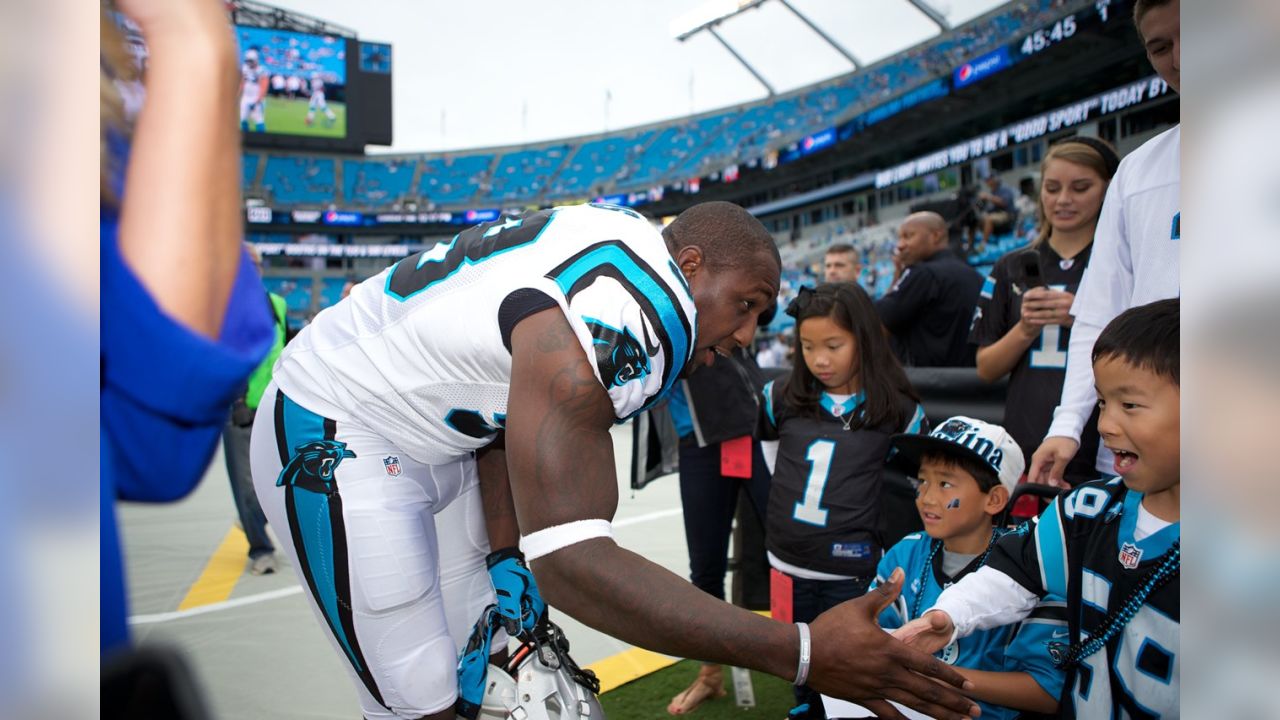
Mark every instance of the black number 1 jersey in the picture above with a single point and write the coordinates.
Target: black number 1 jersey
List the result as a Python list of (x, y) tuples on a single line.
[(825, 501), (1035, 385)]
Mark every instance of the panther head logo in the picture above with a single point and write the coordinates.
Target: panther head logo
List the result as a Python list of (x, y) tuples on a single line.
[(312, 465), (619, 355), (951, 430)]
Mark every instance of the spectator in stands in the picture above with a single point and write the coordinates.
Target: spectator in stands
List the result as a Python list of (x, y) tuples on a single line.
[(997, 210), (1023, 323), (1026, 202), (176, 346), (841, 264), (235, 442), (1135, 259), (928, 308)]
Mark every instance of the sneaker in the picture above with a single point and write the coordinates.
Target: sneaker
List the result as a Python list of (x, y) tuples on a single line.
[(262, 565)]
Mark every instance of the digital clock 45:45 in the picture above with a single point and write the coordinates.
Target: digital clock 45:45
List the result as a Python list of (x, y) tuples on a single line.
[(1043, 38)]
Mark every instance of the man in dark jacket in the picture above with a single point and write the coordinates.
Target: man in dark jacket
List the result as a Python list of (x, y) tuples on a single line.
[(929, 308)]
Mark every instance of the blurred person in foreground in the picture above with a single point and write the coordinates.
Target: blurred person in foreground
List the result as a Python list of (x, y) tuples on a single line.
[(929, 306), (1136, 251), (1112, 547), (1022, 325), (185, 320)]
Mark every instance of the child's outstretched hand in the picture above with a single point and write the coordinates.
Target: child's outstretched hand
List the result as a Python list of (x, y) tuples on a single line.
[(929, 633)]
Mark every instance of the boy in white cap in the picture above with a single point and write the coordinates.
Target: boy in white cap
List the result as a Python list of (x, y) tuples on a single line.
[(966, 469)]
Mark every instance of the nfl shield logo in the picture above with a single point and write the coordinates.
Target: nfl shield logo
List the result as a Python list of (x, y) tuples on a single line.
[(1130, 555), (392, 464)]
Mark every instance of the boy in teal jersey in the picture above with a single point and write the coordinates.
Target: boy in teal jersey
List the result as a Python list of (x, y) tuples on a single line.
[(966, 469)]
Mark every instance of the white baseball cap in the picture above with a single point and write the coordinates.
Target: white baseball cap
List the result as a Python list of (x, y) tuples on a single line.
[(984, 442)]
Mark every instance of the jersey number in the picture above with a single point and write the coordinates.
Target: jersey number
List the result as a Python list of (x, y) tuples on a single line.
[(1145, 662), (809, 509), (1050, 354), (469, 247)]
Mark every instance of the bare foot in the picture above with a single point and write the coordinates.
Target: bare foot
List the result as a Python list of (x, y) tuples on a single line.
[(709, 685)]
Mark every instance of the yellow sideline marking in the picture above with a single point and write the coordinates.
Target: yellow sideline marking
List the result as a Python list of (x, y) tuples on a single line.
[(628, 665), (221, 573), (618, 670)]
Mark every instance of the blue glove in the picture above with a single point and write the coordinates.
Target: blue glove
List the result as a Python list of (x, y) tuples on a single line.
[(473, 665), (520, 607)]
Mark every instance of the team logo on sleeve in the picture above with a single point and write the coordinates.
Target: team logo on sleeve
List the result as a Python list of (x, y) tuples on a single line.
[(312, 465), (619, 355)]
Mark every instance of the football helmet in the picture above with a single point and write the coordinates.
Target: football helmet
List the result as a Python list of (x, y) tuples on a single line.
[(541, 682)]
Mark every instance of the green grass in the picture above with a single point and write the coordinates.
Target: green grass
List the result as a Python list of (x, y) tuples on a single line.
[(290, 117), (647, 698)]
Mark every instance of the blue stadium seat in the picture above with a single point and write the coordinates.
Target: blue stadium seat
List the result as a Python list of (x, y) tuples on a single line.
[(305, 180), (330, 291), (453, 179), (296, 292), (377, 182)]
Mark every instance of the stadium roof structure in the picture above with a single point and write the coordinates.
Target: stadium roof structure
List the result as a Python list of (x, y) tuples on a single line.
[(256, 14)]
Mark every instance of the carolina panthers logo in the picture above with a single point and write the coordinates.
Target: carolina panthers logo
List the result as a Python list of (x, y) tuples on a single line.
[(951, 430), (619, 355), (312, 465)]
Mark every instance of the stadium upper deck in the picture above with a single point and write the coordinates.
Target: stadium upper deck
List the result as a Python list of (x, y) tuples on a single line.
[(636, 159)]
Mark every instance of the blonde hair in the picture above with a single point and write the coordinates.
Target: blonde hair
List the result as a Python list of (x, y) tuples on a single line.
[(114, 66), (1076, 153)]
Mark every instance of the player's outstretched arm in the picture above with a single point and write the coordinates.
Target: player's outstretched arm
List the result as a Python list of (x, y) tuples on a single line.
[(561, 463)]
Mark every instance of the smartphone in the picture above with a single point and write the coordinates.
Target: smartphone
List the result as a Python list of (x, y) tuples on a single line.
[(1031, 270)]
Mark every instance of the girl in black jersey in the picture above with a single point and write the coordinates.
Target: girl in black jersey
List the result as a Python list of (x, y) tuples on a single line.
[(1022, 323), (834, 417)]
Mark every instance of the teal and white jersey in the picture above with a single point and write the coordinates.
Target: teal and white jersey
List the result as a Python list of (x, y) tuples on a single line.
[(421, 353), (1023, 647), (1087, 547)]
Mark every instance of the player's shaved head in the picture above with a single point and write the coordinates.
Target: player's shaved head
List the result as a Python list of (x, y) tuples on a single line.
[(728, 236)]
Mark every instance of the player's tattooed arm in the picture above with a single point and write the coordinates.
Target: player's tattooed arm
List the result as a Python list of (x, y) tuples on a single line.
[(560, 457)]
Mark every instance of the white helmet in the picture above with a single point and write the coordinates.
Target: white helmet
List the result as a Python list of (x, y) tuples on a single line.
[(547, 685), (251, 55)]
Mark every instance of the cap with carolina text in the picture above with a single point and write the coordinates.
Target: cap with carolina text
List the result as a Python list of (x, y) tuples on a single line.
[(985, 442)]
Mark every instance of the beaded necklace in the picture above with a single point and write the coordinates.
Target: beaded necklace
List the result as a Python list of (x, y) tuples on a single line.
[(928, 567), (1156, 578)]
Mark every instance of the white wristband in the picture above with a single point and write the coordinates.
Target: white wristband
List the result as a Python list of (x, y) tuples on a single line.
[(557, 537), (802, 668)]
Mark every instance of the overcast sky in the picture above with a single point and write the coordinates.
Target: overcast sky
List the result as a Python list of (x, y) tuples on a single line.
[(479, 73)]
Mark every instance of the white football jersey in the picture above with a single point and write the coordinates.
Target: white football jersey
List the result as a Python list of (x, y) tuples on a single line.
[(251, 76), (420, 353)]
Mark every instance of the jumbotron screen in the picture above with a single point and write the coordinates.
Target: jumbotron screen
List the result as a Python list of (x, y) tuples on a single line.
[(292, 83)]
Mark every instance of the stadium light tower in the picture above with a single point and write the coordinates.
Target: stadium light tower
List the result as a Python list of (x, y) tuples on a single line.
[(932, 13), (706, 17)]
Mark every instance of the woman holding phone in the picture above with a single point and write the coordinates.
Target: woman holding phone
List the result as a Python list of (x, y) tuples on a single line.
[(1022, 323)]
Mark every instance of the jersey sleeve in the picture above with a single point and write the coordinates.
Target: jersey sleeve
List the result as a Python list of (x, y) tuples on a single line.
[(1035, 555), (770, 403), (1028, 649), (989, 315)]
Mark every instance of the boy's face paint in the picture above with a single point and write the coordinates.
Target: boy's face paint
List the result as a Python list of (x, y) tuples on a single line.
[(955, 503)]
